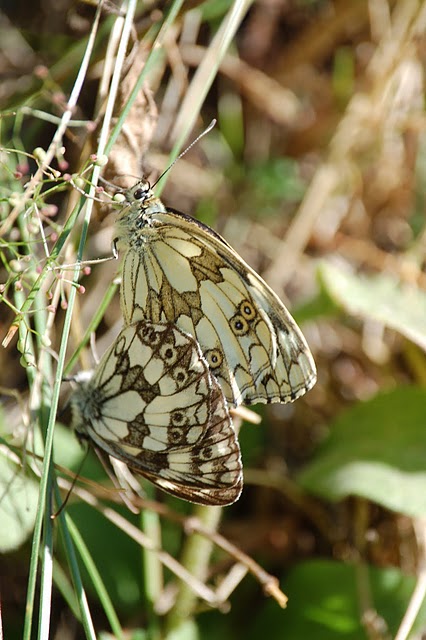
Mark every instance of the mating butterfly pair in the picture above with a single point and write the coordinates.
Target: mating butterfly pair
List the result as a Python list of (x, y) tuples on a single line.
[(202, 330)]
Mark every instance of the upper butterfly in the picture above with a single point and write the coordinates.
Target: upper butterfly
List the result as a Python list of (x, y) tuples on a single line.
[(177, 269)]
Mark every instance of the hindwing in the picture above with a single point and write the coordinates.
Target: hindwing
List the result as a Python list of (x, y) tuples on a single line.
[(153, 403)]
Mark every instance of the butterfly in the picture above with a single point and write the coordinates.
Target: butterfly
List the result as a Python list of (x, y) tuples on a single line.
[(153, 403), (177, 269)]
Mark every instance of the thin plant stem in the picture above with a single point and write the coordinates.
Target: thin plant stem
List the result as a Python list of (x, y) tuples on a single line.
[(66, 527), (195, 558), (47, 571), (204, 77), (152, 567), (419, 594), (44, 481), (93, 572), (154, 56), (59, 134), (94, 323)]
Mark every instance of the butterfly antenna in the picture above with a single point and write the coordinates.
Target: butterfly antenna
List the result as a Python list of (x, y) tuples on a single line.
[(185, 151), (120, 175), (73, 483)]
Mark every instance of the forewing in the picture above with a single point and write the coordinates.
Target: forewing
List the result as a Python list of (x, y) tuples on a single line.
[(185, 273)]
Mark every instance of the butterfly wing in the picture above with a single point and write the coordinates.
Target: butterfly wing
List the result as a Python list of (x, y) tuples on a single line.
[(153, 404), (216, 459), (176, 269)]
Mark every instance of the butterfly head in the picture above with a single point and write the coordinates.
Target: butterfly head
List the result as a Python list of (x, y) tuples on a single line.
[(140, 194), (141, 199), (141, 207)]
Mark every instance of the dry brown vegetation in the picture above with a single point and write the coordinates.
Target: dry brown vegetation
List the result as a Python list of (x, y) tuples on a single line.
[(315, 173)]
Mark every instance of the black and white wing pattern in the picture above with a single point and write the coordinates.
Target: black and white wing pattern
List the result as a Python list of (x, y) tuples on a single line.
[(153, 403), (176, 269)]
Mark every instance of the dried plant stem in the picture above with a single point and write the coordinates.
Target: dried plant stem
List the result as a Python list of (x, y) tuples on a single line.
[(195, 558), (202, 590), (340, 172), (152, 567), (190, 525), (59, 134)]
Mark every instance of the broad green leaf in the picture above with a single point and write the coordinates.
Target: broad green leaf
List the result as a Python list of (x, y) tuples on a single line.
[(324, 603), (399, 306), (376, 450), (18, 504)]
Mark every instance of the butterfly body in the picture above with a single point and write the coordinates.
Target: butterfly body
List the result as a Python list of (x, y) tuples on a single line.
[(176, 269)]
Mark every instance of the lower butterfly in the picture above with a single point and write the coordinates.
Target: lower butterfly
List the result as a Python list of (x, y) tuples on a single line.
[(153, 403), (176, 269)]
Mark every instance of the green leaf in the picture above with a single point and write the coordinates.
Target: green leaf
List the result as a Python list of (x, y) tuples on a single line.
[(187, 630), (320, 306), (324, 603), (383, 298), (68, 450), (18, 504), (276, 179), (133, 634), (376, 450), (116, 556)]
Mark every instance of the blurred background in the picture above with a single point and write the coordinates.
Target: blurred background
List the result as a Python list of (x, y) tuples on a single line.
[(315, 173)]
